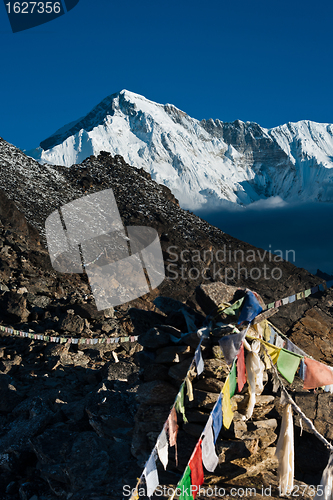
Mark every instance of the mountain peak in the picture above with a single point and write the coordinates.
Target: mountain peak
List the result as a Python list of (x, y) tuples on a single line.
[(206, 163)]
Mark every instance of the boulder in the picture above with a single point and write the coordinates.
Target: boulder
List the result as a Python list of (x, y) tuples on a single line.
[(72, 323), (14, 307), (154, 339), (156, 392)]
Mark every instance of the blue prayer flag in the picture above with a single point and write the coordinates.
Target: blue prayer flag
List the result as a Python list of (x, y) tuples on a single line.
[(217, 417), (251, 308)]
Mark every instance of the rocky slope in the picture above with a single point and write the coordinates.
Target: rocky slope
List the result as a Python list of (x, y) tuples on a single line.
[(205, 163), (78, 421)]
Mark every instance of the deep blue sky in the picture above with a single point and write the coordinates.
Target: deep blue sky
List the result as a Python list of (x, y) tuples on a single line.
[(263, 61)]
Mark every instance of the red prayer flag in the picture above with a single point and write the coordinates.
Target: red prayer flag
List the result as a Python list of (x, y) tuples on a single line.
[(197, 473), (317, 374), (241, 369), (172, 428)]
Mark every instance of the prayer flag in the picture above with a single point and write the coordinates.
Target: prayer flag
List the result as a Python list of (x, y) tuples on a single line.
[(230, 345), (326, 482), (184, 485), (290, 346), (172, 427), (270, 305), (273, 351), (241, 369), (292, 298), (209, 457), (279, 342), (317, 374), (285, 301), (150, 473), (272, 336), (233, 379), (314, 289), (233, 309), (287, 364), (302, 369), (197, 473), (285, 452), (251, 308), (266, 330), (307, 292), (217, 417), (198, 360), (189, 388), (162, 448), (227, 412), (179, 404)]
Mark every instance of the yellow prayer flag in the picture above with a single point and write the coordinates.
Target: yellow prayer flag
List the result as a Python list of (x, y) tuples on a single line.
[(273, 351), (267, 330), (189, 388), (226, 405)]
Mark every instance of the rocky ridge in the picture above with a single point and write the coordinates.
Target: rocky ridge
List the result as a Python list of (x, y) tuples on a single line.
[(78, 421)]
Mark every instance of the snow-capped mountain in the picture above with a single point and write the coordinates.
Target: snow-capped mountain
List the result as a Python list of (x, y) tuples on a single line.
[(207, 163)]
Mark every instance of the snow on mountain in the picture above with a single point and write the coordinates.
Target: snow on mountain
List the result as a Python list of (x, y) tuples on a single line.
[(206, 164)]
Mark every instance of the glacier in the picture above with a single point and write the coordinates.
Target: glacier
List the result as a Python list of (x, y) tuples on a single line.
[(207, 164)]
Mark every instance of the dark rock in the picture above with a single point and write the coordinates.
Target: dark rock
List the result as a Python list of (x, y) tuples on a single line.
[(314, 334), (155, 372), (26, 491), (210, 296), (156, 392), (230, 450), (125, 371), (72, 323), (33, 416), (171, 354), (154, 339), (14, 307), (210, 384), (40, 301), (203, 399), (9, 396), (90, 311), (178, 371)]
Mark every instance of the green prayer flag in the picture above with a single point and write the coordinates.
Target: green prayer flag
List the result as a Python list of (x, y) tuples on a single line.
[(287, 364), (269, 306), (233, 310), (307, 292), (184, 485), (233, 379), (179, 404)]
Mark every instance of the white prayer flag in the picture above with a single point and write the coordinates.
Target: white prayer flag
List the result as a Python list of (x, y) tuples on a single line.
[(209, 457), (150, 473), (162, 448), (285, 452)]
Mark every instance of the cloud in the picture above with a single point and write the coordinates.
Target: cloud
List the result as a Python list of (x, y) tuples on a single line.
[(271, 202)]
